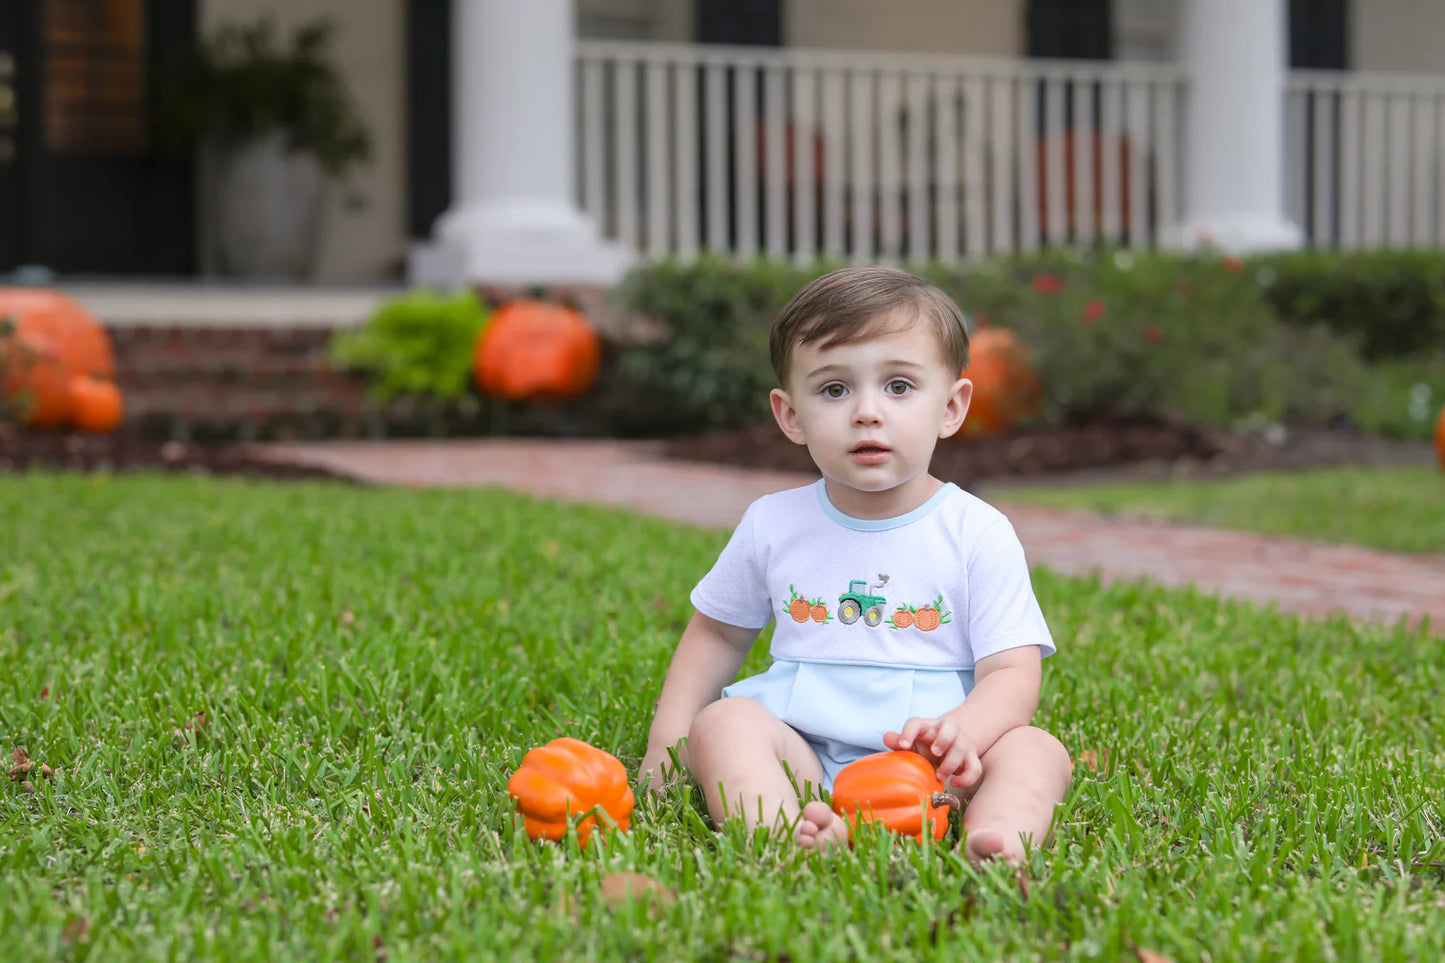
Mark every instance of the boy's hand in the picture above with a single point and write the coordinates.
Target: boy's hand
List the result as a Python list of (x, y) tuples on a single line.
[(942, 742)]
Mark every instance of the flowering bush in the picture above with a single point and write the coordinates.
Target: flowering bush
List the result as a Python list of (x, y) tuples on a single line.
[(1190, 338)]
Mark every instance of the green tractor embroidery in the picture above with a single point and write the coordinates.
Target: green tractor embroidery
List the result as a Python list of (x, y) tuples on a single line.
[(859, 600)]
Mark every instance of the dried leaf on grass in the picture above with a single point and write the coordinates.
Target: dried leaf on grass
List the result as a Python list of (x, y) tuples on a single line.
[(197, 723), (1095, 760), (23, 767), (1149, 956), (618, 888)]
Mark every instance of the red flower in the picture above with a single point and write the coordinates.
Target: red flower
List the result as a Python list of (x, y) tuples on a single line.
[(1234, 263), (1092, 312), (1048, 283), (980, 320), (1153, 335)]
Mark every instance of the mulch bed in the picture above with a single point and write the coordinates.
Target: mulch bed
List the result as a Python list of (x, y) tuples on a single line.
[(123, 451), (1138, 448)]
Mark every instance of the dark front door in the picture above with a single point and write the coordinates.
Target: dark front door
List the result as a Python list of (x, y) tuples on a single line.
[(83, 190), (9, 137)]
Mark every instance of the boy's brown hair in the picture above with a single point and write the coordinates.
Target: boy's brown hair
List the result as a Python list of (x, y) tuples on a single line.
[(854, 303)]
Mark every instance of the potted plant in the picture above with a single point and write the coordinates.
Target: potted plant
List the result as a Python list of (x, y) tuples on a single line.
[(272, 123)]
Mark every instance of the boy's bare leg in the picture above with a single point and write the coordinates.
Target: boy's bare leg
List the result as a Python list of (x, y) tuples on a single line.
[(1025, 775), (738, 744)]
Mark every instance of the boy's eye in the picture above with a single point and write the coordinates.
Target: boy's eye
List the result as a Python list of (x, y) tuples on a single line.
[(834, 390), (898, 387)]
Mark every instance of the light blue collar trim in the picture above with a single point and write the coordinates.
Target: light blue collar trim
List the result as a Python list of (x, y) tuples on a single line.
[(880, 524)]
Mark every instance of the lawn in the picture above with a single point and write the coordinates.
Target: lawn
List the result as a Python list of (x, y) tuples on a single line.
[(281, 720), (1398, 509)]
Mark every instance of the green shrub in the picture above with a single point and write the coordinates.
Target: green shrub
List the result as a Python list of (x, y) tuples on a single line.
[(1391, 302), (708, 365), (243, 83), (420, 344), (1116, 333), (1403, 397), (1188, 338)]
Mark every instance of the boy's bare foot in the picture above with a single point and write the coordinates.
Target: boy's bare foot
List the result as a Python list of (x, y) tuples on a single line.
[(821, 828), (985, 845)]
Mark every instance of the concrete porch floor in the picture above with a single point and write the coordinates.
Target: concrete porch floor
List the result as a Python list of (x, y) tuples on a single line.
[(214, 303)]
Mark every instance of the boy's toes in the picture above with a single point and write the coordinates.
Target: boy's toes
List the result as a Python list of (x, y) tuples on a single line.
[(986, 845), (821, 828)]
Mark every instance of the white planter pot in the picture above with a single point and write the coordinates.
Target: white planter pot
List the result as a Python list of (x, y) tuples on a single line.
[(267, 209)]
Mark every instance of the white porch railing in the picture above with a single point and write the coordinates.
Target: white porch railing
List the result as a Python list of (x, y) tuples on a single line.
[(1365, 159), (869, 157)]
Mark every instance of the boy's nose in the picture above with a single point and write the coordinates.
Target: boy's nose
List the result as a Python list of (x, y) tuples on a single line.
[(866, 410)]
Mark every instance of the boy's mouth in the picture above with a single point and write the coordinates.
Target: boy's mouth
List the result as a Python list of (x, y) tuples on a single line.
[(869, 454)]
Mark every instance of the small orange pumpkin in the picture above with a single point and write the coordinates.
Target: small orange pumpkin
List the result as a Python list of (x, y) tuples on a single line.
[(54, 342), (1440, 438), (82, 343), (536, 349), (899, 789), (95, 405), (1005, 388), (35, 380), (567, 778)]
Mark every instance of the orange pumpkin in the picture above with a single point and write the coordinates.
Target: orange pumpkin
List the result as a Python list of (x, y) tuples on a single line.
[(55, 341), (899, 789), (1440, 438), (95, 405), (35, 380), (536, 349), (81, 341), (568, 778), (1005, 388)]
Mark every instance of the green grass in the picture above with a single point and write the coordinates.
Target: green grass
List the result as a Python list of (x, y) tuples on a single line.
[(374, 663), (1398, 509)]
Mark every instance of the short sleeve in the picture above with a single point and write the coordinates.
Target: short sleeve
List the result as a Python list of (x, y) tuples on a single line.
[(1002, 610), (735, 590)]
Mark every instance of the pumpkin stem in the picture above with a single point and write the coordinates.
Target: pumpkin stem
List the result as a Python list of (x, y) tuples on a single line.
[(945, 799)]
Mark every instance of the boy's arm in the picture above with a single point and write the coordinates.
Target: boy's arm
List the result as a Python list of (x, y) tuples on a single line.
[(707, 658), (1005, 696)]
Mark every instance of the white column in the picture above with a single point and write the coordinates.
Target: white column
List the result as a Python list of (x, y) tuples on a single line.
[(1235, 54), (514, 218)]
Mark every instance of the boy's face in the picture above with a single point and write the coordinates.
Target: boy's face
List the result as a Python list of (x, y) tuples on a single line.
[(871, 413)]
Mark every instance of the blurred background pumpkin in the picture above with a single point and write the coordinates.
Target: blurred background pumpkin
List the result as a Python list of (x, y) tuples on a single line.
[(1005, 388), (57, 364), (537, 349)]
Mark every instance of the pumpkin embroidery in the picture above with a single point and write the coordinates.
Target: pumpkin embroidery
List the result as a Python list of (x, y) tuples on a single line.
[(928, 617), (798, 608)]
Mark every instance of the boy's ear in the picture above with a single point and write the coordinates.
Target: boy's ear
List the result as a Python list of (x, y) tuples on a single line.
[(786, 416), (957, 408)]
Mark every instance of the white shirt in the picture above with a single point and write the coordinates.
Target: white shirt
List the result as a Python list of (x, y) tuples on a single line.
[(956, 590)]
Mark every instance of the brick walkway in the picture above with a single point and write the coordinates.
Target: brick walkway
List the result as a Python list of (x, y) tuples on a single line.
[(1304, 577)]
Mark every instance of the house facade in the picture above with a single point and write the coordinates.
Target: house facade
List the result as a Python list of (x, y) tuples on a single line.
[(857, 127)]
